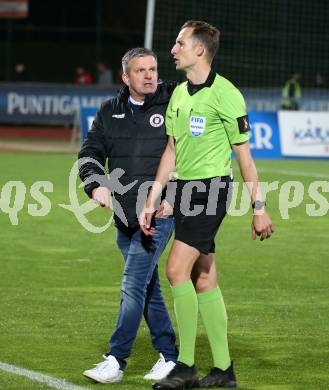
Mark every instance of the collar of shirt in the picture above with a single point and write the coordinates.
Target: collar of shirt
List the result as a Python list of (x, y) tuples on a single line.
[(194, 88), (134, 105)]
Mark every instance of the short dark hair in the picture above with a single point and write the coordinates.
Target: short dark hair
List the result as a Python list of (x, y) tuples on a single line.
[(206, 34), (135, 52)]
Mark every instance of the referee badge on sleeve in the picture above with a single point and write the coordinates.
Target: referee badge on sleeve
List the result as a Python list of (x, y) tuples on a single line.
[(243, 123)]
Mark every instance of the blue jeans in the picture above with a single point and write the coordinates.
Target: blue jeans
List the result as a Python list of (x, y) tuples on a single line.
[(141, 294)]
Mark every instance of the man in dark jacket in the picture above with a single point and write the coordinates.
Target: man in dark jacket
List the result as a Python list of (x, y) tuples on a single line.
[(129, 131)]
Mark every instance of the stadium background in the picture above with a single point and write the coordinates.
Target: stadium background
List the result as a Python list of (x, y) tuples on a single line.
[(262, 43), (59, 288)]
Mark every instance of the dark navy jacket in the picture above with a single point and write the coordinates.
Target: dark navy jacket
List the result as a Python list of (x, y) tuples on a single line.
[(134, 143)]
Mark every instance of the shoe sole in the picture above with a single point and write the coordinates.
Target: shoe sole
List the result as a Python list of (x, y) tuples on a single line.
[(101, 380), (194, 383)]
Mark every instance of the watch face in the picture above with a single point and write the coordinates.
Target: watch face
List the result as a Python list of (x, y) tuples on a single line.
[(259, 205)]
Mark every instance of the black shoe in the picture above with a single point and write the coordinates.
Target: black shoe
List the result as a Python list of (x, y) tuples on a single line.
[(219, 378), (180, 377)]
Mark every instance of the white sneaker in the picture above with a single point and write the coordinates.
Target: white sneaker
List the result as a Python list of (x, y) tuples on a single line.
[(107, 371), (160, 369)]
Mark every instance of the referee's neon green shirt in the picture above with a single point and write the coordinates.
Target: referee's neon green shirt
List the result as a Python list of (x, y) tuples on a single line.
[(204, 126)]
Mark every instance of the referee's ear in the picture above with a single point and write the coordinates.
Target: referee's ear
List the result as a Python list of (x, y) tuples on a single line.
[(201, 50)]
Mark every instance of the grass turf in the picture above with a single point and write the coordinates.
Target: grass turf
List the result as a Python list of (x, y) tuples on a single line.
[(60, 288)]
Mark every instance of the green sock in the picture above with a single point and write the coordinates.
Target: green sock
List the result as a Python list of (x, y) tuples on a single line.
[(186, 311), (214, 317)]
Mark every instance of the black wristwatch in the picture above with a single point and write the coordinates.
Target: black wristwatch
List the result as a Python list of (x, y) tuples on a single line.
[(258, 205)]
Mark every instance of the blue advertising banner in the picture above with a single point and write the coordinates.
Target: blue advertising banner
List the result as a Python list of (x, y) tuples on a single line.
[(47, 104), (265, 137)]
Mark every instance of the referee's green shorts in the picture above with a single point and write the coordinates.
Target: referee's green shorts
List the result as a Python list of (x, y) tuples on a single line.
[(199, 209)]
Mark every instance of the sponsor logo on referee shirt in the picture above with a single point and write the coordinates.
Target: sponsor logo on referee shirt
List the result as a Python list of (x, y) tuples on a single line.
[(197, 125)]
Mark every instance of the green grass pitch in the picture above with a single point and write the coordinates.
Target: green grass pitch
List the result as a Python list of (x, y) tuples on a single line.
[(60, 287)]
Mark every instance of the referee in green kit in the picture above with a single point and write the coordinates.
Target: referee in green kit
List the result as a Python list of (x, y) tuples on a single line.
[(206, 119)]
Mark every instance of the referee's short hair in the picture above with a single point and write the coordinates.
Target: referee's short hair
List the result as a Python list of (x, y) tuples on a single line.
[(135, 52), (206, 34)]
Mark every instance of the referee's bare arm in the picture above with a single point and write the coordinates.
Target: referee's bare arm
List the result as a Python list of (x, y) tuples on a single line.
[(261, 223), (164, 172)]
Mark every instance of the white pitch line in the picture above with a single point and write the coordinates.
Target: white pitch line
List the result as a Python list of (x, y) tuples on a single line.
[(294, 173), (61, 384)]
